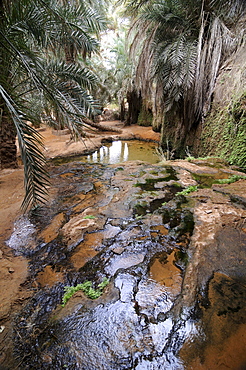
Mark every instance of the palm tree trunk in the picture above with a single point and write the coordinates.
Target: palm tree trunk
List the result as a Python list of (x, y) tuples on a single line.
[(134, 104), (8, 150), (122, 110)]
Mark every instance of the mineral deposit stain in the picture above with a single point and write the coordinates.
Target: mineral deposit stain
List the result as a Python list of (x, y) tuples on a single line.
[(52, 230), (141, 321), (49, 276), (164, 271), (89, 247)]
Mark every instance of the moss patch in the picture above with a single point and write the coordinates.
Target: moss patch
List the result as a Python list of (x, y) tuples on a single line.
[(86, 288), (145, 118), (224, 133)]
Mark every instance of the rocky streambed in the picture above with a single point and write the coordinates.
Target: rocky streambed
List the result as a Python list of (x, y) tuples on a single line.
[(174, 262)]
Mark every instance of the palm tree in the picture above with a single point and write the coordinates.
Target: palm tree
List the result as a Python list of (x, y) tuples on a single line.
[(124, 76), (116, 69), (181, 46), (39, 41)]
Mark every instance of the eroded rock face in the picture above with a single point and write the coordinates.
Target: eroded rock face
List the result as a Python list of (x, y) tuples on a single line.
[(223, 321), (176, 267), (217, 243)]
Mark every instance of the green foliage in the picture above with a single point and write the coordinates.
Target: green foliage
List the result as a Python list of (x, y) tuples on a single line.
[(224, 133), (103, 284), (188, 190), (231, 179), (145, 118), (139, 217), (114, 66), (39, 44), (179, 47), (181, 258), (86, 288), (89, 217)]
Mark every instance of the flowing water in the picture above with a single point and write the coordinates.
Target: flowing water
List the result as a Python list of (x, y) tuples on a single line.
[(125, 223)]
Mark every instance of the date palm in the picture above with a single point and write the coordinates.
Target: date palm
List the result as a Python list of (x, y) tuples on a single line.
[(39, 42), (181, 46)]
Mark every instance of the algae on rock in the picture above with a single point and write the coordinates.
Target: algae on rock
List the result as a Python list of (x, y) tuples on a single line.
[(224, 133)]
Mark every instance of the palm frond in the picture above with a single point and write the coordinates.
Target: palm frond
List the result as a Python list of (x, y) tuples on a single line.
[(31, 34), (73, 25), (68, 72), (229, 10), (30, 143), (132, 7), (189, 41)]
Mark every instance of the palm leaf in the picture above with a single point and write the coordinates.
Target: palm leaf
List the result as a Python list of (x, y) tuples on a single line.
[(30, 143), (31, 32), (181, 46)]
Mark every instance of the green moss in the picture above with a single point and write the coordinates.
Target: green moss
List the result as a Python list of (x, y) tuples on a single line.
[(207, 180), (87, 288), (181, 258), (154, 172), (149, 184), (204, 180), (224, 133), (140, 209), (145, 118), (231, 179), (187, 191)]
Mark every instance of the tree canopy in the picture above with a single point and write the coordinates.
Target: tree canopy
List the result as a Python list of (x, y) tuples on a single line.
[(181, 46), (42, 78), (52, 70)]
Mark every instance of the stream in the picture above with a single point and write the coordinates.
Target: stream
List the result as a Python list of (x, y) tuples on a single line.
[(175, 265)]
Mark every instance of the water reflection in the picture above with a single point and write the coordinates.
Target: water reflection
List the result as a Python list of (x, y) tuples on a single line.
[(122, 151)]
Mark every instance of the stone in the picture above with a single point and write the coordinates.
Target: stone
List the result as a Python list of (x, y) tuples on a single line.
[(118, 250)]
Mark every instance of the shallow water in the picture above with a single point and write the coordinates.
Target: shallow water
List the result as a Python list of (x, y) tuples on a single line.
[(97, 228), (122, 151)]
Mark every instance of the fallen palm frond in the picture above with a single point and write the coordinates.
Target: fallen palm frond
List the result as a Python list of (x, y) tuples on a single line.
[(101, 127)]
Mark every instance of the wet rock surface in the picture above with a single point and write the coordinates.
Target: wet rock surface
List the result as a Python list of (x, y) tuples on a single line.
[(176, 268)]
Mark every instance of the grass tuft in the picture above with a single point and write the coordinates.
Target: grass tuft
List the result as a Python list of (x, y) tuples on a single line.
[(86, 288)]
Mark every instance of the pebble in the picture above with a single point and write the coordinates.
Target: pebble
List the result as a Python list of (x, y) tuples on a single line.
[(118, 250), (2, 328)]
